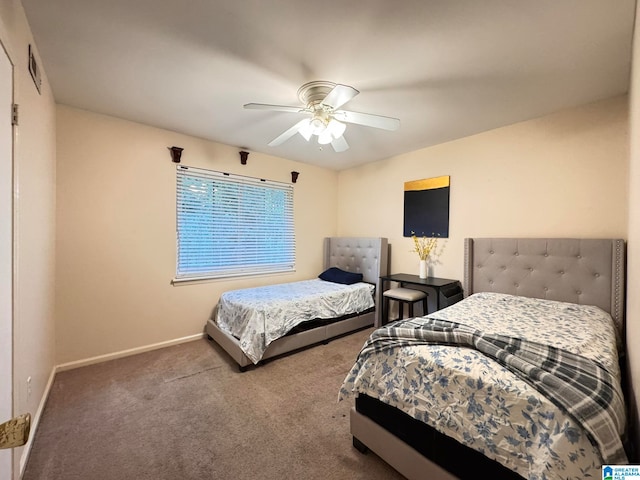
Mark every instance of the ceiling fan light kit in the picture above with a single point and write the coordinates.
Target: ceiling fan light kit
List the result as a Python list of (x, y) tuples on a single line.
[(331, 132), (321, 101)]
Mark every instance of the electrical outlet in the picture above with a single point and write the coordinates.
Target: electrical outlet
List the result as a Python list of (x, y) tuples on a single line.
[(28, 388)]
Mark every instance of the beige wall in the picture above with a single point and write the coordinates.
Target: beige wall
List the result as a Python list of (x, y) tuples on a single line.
[(633, 258), (34, 221), (116, 232), (561, 175)]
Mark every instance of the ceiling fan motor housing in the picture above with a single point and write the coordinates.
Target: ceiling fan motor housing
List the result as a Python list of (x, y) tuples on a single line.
[(313, 93)]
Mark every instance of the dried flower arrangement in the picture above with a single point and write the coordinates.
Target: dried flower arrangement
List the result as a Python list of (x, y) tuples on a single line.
[(423, 245)]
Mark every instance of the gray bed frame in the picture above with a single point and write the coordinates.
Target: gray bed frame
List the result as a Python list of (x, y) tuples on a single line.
[(583, 271), (366, 255)]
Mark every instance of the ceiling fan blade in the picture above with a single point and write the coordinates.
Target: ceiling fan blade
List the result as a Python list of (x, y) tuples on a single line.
[(339, 95), (283, 137), (278, 108), (340, 144), (367, 119)]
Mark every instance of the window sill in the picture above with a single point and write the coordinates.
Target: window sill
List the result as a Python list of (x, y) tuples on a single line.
[(178, 282)]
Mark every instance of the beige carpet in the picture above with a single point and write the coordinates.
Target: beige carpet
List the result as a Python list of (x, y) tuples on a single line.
[(185, 412)]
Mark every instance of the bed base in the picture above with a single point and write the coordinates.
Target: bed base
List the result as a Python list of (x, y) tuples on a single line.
[(290, 343), (369, 435), (444, 452)]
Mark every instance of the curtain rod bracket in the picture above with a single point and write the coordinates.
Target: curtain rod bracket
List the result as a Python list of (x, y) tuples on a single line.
[(176, 153)]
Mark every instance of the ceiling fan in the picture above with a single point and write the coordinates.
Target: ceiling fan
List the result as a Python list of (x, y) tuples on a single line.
[(321, 101)]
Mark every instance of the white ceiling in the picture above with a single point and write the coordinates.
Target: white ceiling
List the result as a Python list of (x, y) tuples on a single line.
[(447, 69)]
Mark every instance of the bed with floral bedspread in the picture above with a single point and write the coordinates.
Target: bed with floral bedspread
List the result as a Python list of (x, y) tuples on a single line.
[(276, 320), (485, 403), (258, 316)]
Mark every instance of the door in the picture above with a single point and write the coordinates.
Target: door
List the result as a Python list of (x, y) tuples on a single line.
[(6, 252)]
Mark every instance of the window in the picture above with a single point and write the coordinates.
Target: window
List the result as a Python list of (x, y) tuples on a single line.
[(229, 225)]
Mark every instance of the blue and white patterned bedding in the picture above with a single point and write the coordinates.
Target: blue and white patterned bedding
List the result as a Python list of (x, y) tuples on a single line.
[(258, 316), (472, 398)]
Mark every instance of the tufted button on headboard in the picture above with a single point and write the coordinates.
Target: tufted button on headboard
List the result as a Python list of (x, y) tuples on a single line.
[(583, 271)]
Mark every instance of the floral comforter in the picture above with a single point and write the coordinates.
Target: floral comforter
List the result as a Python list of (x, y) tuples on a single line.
[(258, 316), (474, 399)]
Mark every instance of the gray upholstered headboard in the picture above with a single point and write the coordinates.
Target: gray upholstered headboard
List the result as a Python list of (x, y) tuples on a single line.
[(583, 271), (366, 255)]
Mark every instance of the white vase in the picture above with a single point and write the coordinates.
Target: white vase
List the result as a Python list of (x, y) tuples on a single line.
[(423, 269)]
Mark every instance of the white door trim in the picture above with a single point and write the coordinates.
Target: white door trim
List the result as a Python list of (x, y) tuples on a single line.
[(6, 253)]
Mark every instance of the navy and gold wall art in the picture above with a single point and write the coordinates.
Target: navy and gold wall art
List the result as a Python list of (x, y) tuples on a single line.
[(426, 207)]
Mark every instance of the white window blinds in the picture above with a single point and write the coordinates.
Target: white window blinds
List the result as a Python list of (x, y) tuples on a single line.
[(229, 225)]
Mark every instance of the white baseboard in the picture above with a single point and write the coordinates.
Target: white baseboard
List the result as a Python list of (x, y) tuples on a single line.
[(35, 420), (125, 353)]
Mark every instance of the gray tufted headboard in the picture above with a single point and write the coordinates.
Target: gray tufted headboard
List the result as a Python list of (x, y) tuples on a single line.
[(366, 255), (583, 271)]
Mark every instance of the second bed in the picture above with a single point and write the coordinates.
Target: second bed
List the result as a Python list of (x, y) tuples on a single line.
[(520, 379), (252, 325)]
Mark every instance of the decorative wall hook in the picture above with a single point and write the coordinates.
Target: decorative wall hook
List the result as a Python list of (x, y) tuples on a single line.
[(294, 177), (176, 153), (243, 157)]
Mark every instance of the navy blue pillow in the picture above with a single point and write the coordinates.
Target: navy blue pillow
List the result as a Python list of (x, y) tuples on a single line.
[(335, 275)]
